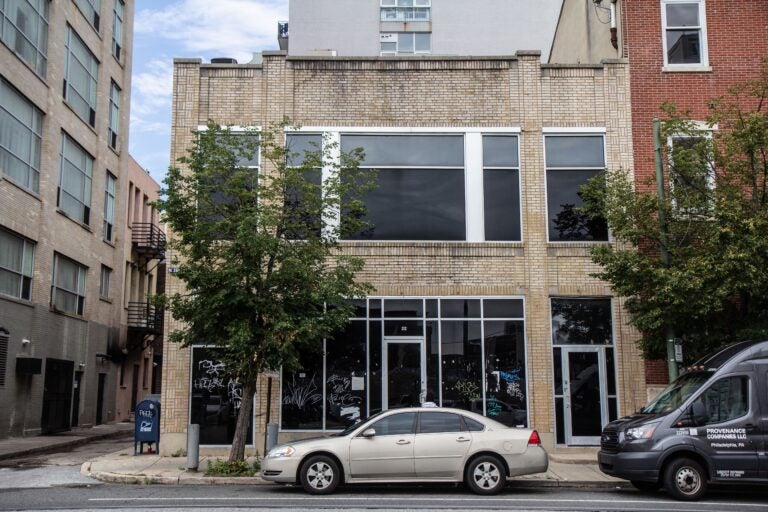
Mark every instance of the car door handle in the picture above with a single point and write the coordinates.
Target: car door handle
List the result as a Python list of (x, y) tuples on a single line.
[(403, 441), (462, 439)]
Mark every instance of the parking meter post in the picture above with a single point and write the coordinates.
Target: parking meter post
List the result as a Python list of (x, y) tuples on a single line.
[(193, 446)]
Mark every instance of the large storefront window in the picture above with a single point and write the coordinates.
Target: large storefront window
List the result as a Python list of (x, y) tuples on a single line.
[(216, 398), (419, 192), (467, 353)]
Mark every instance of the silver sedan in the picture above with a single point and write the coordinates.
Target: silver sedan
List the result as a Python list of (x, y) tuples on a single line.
[(411, 445)]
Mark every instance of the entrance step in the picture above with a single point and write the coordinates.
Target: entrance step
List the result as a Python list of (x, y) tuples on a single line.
[(575, 455)]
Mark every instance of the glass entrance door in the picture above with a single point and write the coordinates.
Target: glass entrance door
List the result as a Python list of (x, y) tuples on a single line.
[(584, 390), (405, 370)]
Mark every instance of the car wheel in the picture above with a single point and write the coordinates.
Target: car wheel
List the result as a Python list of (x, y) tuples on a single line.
[(485, 475), (685, 479), (646, 486), (320, 475)]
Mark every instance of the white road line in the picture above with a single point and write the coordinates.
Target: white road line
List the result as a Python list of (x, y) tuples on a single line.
[(474, 500)]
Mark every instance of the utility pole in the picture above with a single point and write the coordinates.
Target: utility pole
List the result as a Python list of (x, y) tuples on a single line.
[(669, 331)]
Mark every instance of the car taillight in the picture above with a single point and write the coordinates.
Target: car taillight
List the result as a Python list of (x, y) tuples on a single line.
[(534, 439)]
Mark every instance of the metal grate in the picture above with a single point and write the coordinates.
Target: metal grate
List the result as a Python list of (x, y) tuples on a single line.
[(3, 355), (609, 442)]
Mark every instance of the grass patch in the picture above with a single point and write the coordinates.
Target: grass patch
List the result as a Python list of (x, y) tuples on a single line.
[(220, 467)]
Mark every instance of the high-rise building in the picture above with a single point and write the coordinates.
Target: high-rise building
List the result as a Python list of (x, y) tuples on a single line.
[(65, 80)]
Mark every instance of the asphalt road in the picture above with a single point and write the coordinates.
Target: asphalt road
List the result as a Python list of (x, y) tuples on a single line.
[(53, 482)]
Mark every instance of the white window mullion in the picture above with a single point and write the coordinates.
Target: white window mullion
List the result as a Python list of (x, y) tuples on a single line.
[(331, 148), (473, 176)]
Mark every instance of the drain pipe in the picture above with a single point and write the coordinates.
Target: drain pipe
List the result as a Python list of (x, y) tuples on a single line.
[(614, 36)]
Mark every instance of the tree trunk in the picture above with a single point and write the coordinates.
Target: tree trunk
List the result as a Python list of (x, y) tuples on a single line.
[(243, 422)]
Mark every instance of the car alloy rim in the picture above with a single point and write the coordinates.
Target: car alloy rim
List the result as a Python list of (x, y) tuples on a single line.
[(486, 475), (320, 475), (688, 480)]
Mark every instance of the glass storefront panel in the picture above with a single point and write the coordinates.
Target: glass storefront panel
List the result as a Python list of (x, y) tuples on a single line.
[(413, 350), (461, 364), (302, 395), (505, 392), (216, 398), (345, 377)]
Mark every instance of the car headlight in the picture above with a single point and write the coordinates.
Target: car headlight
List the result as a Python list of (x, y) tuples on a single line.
[(281, 451), (642, 432)]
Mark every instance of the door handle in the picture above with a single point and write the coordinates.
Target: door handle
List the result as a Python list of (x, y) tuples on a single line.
[(462, 439), (403, 441)]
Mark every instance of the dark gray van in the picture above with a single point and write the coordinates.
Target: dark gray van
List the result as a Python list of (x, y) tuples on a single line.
[(709, 425)]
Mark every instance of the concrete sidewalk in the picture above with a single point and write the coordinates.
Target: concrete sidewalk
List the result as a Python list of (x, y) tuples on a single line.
[(18, 447), (123, 467)]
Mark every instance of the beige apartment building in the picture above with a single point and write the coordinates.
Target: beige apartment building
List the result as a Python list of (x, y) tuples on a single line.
[(65, 78), (141, 355), (483, 295)]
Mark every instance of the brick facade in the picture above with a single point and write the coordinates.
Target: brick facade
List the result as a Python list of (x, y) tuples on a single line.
[(79, 340), (737, 41), (513, 91)]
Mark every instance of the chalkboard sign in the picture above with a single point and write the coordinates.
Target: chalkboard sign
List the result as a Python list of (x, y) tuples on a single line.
[(216, 398)]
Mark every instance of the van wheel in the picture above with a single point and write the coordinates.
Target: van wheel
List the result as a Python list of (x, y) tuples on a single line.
[(485, 475), (646, 486), (320, 475), (685, 479)]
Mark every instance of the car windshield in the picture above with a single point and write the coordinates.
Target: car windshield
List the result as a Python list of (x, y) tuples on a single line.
[(355, 426), (677, 393)]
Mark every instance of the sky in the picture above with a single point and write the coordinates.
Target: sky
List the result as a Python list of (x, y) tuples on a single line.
[(168, 29)]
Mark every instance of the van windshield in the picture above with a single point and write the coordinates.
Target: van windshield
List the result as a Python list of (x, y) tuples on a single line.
[(677, 393)]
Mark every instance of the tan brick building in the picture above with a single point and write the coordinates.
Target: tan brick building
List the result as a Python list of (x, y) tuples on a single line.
[(65, 71), (483, 296)]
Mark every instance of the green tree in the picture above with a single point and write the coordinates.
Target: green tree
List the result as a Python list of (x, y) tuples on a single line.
[(715, 289), (258, 251)]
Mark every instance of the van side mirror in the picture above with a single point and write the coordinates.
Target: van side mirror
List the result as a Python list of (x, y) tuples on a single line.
[(369, 432), (698, 413)]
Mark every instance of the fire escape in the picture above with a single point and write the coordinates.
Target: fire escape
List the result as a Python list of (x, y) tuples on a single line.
[(145, 320)]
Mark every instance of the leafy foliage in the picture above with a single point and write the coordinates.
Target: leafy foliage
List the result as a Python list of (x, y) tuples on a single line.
[(715, 289), (257, 250), (219, 467)]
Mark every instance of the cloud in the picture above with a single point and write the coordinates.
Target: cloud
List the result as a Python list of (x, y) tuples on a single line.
[(232, 28), (151, 96)]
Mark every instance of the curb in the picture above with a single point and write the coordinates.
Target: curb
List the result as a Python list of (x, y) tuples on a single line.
[(182, 479), (67, 443)]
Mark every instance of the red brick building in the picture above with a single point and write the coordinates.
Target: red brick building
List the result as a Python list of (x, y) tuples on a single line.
[(686, 52)]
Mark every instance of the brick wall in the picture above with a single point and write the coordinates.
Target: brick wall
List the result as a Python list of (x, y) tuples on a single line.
[(433, 92), (737, 37)]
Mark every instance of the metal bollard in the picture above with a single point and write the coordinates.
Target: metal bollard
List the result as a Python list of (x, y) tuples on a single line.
[(271, 436), (193, 446)]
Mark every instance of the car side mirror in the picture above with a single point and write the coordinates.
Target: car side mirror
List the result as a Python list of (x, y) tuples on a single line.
[(369, 432), (698, 413)]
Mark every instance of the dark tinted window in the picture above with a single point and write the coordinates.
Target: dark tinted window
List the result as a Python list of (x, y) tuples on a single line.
[(397, 424), (408, 150), (503, 308), (415, 204), (581, 322), (500, 151), (501, 189), (434, 422), (726, 400), (575, 151), (473, 426), (403, 308), (566, 222), (299, 146), (460, 308)]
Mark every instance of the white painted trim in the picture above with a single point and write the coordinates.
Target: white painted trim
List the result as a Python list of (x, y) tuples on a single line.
[(232, 128), (704, 64), (474, 210), (331, 145), (436, 130), (572, 130)]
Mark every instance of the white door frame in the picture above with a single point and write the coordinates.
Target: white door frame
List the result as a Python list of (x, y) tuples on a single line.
[(391, 340), (570, 439)]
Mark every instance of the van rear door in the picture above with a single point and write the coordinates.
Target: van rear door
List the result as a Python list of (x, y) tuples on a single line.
[(728, 433)]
